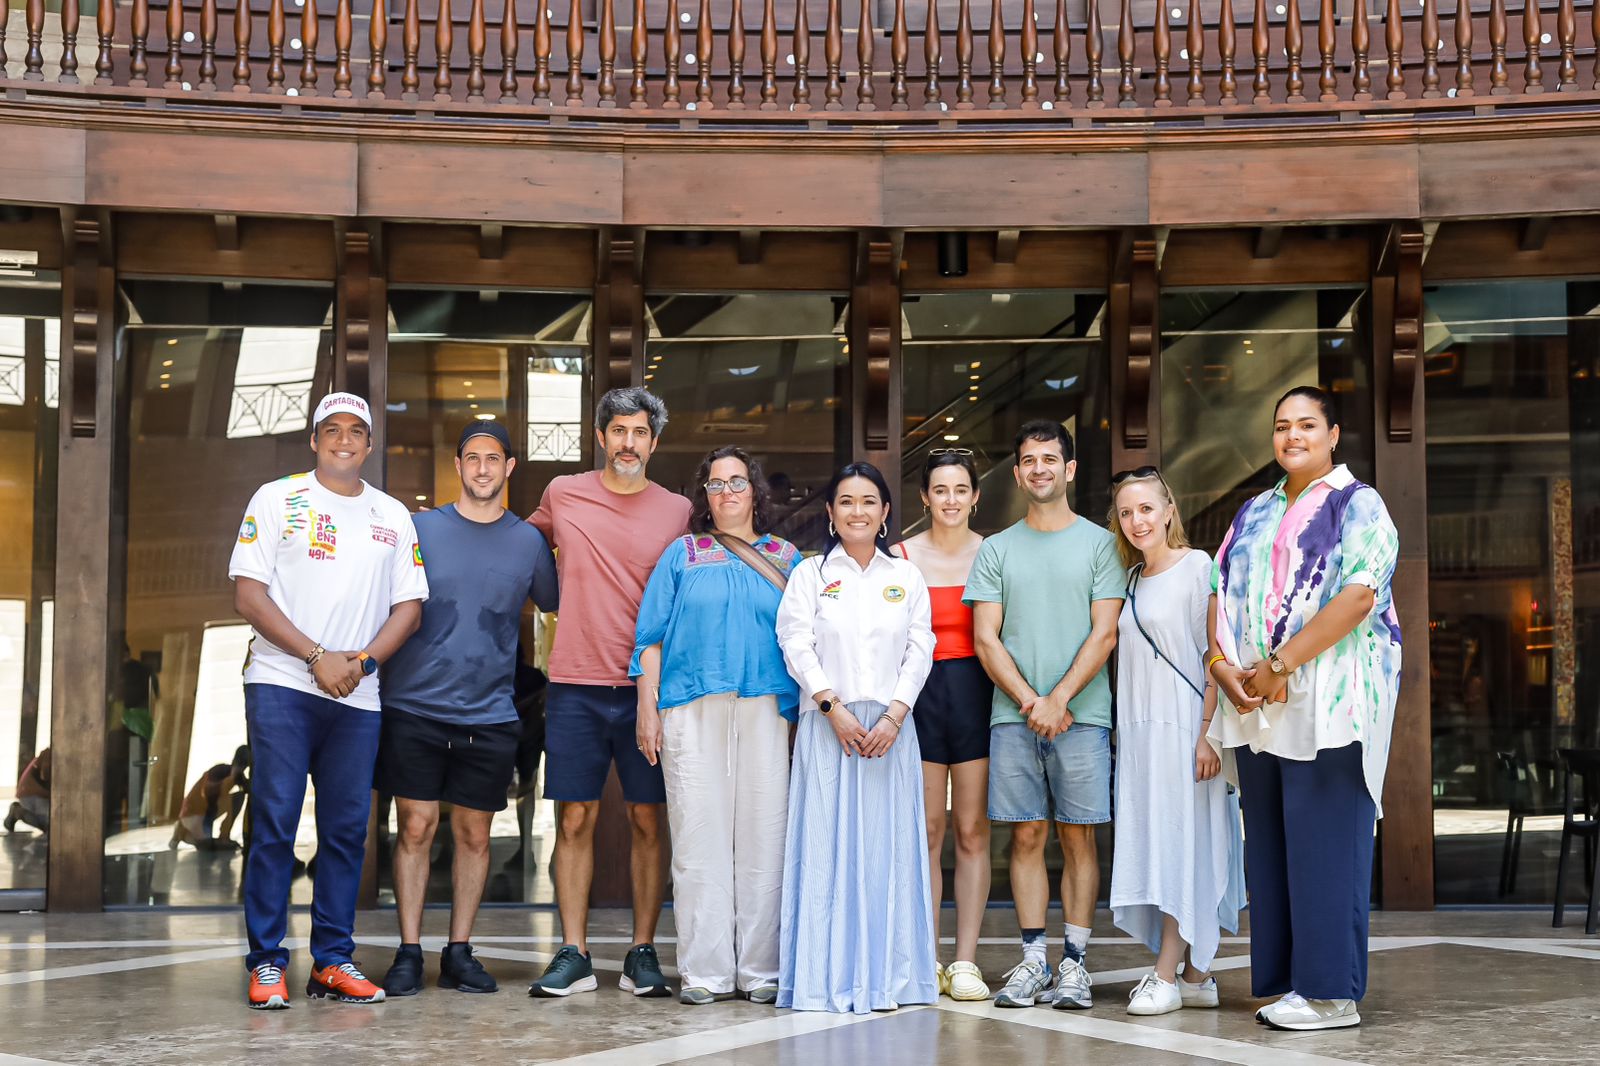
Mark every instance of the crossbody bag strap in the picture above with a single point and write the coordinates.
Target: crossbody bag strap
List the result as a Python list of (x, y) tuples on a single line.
[(752, 558), (1133, 606)]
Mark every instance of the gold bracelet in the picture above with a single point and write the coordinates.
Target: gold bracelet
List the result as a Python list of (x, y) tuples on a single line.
[(1215, 659), (892, 721)]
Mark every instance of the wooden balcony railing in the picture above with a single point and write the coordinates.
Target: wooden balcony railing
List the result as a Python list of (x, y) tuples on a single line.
[(687, 62)]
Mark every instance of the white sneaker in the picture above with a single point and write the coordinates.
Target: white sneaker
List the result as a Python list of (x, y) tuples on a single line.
[(1300, 1014), (1026, 983), (1152, 996), (964, 981), (1072, 986), (1203, 994)]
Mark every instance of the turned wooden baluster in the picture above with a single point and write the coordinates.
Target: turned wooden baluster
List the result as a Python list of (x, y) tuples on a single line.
[(997, 56), (377, 49), (71, 19), (865, 93), (1061, 52), (308, 48), (899, 49), (1567, 33), (702, 56), (575, 53), (1360, 43), (542, 45), (1464, 47), (1294, 43), (1394, 43), (106, 29), (174, 68), (1327, 43), (608, 55), (1094, 51), (138, 59), (640, 55), (1532, 31), (1195, 41), (1227, 38), (963, 55), (477, 45), (1498, 29), (1260, 43), (672, 55), (411, 44), (510, 44), (736, 57), (769, 56), (1030, 55), (33, 59), (1125, 56), (802, 57), (343, 34), (932, 53), (1430, 50), (444, 39), (208, 44), (1163, 49), (833, 55), (277, 31)]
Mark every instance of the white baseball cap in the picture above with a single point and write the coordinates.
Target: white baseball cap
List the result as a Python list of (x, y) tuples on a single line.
[(347, 402)]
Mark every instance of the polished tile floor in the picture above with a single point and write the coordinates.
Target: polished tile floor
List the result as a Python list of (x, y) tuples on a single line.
[(165, 987)]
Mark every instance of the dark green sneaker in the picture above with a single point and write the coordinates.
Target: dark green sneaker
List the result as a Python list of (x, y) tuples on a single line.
[(641, 972), (570, 971)]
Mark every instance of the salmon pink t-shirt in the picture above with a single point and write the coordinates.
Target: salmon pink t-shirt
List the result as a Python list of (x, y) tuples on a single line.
[(606, 546)]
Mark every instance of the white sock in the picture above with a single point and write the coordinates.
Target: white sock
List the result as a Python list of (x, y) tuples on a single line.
[(1077, 942)]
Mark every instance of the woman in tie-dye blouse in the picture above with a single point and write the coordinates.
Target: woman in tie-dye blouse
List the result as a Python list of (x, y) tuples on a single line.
[(1306, 654)]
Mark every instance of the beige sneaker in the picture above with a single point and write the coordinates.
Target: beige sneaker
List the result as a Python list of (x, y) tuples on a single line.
[(964, 981), (1300, 1014)]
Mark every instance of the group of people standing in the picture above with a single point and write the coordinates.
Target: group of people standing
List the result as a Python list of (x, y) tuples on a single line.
[(803, 719)]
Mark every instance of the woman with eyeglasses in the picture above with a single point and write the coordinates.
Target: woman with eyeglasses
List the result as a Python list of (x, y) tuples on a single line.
[(1305, 650), (857, 634), (952, 713), (715, 703), (1177, 873)]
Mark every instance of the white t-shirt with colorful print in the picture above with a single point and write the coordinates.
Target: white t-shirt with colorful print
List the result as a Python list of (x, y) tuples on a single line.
[(334, 565)]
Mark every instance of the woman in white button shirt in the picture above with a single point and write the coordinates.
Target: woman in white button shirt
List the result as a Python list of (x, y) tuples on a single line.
[(857, 634)]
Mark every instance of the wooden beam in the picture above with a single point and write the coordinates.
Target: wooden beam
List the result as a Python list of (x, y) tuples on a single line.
[(227, 233), (1535, 231), (491, 241), (749, 247), (874, 331)]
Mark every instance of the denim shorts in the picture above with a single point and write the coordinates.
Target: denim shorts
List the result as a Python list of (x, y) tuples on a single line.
[(1067, 779), (587, 728)]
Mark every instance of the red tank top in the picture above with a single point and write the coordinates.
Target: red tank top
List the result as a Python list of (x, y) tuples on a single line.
[(952, 620)]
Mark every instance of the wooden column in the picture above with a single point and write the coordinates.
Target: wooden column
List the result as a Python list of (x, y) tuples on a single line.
[(88, 594), (1133, 345), (1406, 832), (877, 418)]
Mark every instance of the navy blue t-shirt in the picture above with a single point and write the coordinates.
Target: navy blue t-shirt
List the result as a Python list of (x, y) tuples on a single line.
[(458, 666)]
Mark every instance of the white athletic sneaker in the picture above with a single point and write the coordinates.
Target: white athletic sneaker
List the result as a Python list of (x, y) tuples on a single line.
[(964, 981), (1152, 996), (1298, 1013), (1072, 986), (1203, 994), (1026, 983)]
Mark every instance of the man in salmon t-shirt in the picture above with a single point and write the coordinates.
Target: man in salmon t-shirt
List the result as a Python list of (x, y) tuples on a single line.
[(609, 527)]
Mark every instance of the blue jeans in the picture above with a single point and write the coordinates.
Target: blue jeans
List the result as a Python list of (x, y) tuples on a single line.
[(1066, 780), (293, 734)]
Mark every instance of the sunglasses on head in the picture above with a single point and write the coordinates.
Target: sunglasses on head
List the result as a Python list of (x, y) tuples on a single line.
[(1137, 472), (950, 451)]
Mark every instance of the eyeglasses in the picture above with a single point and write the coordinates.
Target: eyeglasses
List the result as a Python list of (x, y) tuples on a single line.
[(1138, 472), (717, 486), (951, 451)]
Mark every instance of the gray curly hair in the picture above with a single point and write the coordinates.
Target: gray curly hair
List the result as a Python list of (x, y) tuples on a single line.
[(631, 401)]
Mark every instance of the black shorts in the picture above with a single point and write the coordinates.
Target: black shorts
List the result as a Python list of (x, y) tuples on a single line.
[(465, 765), (952, 714)]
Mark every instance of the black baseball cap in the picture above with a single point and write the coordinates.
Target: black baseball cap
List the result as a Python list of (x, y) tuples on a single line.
[(484, 427)]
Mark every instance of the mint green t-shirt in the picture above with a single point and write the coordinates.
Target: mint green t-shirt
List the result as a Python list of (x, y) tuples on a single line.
[(1046, 582)]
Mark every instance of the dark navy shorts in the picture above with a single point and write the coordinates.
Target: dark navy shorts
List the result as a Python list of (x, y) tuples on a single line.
[(952, 713), (464, 765), (586, 729)]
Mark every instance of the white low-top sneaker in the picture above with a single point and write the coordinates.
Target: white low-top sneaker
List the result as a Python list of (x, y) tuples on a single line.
[(1152, 996), (1026, 983), (1072, 986), (1297, 1013), (1203, 994), (965, 982)]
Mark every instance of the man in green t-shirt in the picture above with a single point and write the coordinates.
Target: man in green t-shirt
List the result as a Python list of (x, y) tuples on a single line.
[(1046, 595)]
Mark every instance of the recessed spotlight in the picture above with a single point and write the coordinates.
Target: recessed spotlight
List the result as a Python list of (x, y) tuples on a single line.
[(468, 384), (974, 377), (486, 418), (473, 406), (421, 498), (949, 418), (166, 362), (172, 342), (472, 396), (975, 364), (952, 436), (972, 388), (164, 385), (165, 377)]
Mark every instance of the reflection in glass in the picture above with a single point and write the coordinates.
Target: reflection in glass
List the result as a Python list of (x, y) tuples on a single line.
[(1514, 574)]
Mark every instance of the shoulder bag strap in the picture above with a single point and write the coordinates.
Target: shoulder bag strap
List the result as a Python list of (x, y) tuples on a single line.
[(752, 558), (1133, 606)]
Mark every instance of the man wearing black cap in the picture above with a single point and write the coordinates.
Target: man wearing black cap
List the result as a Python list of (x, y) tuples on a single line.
[(450, 728)]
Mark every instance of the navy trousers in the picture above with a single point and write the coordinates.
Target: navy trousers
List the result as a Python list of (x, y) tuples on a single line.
[(1308, 841), (293, 734)]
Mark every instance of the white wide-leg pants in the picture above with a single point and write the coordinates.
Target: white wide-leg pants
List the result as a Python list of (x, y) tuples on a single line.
[(726, 762)]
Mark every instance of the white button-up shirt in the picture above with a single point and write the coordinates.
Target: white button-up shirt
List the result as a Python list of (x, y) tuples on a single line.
[(866, 633)]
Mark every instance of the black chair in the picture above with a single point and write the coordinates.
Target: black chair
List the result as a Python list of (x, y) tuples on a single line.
[(1580, 818), (1530, 792)]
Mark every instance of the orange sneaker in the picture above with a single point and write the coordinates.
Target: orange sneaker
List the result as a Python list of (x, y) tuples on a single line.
[(268, 989), (343, 982)]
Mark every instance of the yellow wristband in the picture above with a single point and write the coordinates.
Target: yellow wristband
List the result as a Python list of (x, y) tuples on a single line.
[(1215, 659)]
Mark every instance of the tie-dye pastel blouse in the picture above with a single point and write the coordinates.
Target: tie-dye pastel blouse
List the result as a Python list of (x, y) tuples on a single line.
[(1279, 564)]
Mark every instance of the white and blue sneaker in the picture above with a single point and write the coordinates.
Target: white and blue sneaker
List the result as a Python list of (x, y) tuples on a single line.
[(1072, 986), (1028, 983)]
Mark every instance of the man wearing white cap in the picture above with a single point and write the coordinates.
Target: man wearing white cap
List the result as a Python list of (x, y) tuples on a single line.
[(328, 573)]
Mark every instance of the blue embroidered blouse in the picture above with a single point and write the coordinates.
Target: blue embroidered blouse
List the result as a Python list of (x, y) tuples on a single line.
[(716, 621)]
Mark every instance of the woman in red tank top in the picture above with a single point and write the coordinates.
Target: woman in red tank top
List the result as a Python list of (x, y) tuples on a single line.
[(952, 713)]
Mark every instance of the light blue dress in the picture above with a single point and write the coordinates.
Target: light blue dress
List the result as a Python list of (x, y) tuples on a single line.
[(857, 923)]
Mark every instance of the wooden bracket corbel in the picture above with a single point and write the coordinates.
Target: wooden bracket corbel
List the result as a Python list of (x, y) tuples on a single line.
[(1534, 232), (876, 310), (353, 305), (227, 233), (619, 309), (491, 241), (1268, 240), (1401, 261), (1134, 266), (750, 241), (90, 307), (1006, 243)]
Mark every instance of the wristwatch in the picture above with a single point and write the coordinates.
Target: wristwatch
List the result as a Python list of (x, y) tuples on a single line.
[(1277, 665), (369, 665), (824, 706)]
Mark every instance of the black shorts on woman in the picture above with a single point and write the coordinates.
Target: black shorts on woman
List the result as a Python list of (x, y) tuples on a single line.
[(952, 713)]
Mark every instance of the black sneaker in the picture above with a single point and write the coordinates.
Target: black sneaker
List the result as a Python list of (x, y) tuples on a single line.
[(641, 972), (570, 971), (405, 975), (460, 971)]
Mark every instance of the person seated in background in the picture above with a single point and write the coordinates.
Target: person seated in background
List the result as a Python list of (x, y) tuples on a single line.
[(224, 784), (32, 805)]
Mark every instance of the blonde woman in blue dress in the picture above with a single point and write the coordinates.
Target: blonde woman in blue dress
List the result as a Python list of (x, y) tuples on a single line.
[(1177, 875)]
